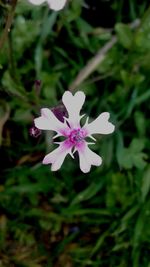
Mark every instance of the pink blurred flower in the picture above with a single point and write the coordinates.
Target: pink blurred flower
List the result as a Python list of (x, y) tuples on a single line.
[(53, 4), (35, 132), (75, 134), (60, 112)]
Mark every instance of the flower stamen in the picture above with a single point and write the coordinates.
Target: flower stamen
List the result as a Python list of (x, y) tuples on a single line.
[(76, 136)]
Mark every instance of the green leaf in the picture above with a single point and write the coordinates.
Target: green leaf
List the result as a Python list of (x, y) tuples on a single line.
[(124, 34), (142, 38), (140, 122), (133, 155), (145, 184), (4, 115), (138, 160), (11, 87), (88, 193), (137, 145)]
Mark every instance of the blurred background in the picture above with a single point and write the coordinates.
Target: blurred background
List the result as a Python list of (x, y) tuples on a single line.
[(67, 218)]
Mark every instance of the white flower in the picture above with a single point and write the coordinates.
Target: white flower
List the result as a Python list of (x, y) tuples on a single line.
[(53, 4), (75, 134)]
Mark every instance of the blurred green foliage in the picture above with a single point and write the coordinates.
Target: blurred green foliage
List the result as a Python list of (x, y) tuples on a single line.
[(68, 218)]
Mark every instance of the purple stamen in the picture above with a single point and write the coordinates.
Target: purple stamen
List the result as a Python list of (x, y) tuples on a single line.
[(76, 136)]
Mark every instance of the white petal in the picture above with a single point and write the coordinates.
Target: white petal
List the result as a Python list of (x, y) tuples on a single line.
[(87, 158), (73, 105), (101, 125), (56, 157), (48, 121), (56, 4), (36, 2)]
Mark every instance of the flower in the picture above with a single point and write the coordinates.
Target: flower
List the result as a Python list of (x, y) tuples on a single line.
[(53, 4), (73, 132), (35, 132)]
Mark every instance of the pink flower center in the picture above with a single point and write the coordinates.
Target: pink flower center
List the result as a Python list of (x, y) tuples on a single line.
[(76, 136)]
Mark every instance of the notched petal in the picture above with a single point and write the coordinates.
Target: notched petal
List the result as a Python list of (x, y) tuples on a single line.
[(101, 125), (87, 158), (57, 157), (53, 4), (73, 104), (48, 121), (37, 2), (56, 4)]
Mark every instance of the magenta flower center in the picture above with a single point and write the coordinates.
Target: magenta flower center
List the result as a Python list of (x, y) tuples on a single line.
[(76, 135)]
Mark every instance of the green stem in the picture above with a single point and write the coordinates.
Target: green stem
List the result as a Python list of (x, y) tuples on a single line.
[(8, 24)]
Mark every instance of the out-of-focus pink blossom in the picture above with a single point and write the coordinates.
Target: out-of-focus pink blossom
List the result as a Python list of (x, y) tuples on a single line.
[(35, 132), (60, 112), (73, 132)]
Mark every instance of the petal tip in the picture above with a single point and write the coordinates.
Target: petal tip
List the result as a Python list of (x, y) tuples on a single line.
[(44, 111), (37, 123), (98, 162), (80, 93), (45, 161), (54, 169), (56, 5), (112, 127), (85, 170)]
